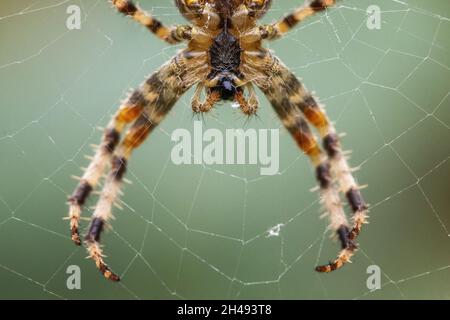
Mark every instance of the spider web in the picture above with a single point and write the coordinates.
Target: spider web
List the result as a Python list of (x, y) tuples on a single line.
[(224, 231)]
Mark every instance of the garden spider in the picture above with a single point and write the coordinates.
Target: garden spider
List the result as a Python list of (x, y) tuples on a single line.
[(224, 57)]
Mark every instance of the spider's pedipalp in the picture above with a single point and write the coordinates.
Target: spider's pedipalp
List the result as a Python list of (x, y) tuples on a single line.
[(249, 106), (212, 98)]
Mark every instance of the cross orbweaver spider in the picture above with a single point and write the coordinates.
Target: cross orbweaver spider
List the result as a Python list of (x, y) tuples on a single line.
[(224, 57)]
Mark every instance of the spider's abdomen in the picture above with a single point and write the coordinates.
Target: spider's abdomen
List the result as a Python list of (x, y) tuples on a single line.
[(225, 59)]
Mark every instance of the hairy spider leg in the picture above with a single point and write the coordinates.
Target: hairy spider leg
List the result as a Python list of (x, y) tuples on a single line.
[(285, 89), (157, 96), (111, 190), (297, 126), (340, 168), (283, 26), (316, 115), (171, 35), (126, 114)]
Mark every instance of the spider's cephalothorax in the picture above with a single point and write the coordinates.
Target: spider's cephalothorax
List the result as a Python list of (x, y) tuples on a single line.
[(224, 58)]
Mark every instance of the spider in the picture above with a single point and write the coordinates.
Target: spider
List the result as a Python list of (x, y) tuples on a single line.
[(225, 59)]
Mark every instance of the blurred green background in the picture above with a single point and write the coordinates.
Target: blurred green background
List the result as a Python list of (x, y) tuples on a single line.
[(201, 232)]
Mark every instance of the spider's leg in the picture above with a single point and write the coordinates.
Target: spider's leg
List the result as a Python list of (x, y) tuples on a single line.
[(171, 35), (299, 129), (127, 113), (111, 190), (340, 168), (305, 139), (160, 92), (285, 91), (316, 115), (284, 25)]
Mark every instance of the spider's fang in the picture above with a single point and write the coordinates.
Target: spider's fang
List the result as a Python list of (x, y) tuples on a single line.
[(88, 157)]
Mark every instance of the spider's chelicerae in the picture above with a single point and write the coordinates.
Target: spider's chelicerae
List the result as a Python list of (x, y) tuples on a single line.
[(225, 59)]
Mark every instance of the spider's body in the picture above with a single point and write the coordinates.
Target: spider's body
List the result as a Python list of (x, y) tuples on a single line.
[(224, 57), (225, 60)]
